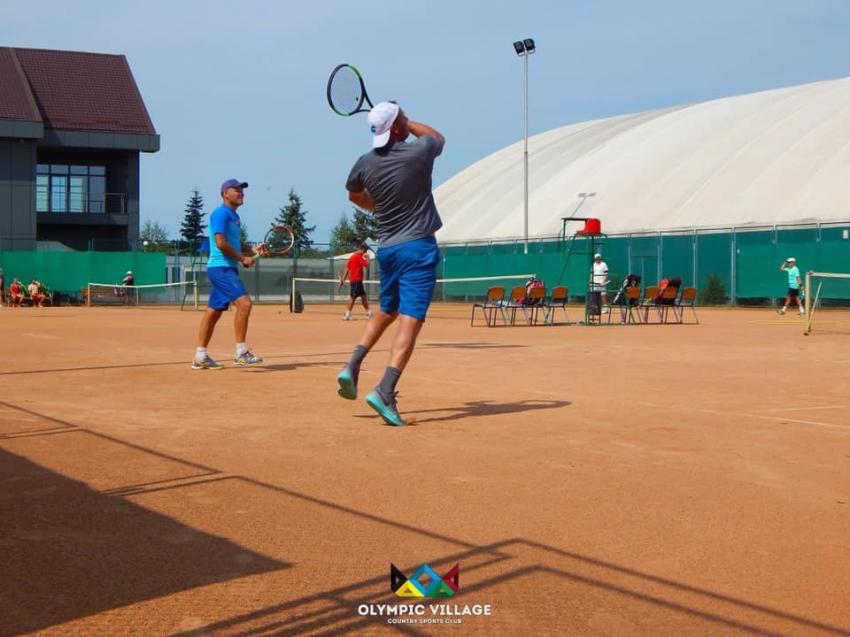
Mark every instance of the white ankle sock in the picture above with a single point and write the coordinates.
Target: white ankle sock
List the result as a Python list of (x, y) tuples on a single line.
[(241, 348), (201, 353)]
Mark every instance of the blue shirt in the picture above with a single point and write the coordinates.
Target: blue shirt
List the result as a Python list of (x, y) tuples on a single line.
[(224, 221), (793, 273)]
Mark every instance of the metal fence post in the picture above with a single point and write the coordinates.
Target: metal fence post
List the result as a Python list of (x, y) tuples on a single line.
[(734, 268)]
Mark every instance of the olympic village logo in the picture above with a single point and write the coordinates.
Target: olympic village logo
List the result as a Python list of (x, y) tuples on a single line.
[(424, 582)]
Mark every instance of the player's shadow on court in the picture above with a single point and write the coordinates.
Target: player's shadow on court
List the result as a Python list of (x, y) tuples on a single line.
[(482, 408), (473, 345), (291, 367), (488, 408)]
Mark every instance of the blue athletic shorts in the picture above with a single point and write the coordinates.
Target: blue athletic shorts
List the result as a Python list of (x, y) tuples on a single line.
[(226, 287), (408, 276)]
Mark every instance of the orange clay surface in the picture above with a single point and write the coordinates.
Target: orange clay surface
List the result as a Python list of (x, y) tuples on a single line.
[(648, 480)]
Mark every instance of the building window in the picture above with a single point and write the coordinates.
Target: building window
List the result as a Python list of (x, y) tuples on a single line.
[(65, 188)]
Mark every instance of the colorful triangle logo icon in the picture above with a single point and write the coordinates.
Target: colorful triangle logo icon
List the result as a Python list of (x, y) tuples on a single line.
[(409, 589), (443, 590)]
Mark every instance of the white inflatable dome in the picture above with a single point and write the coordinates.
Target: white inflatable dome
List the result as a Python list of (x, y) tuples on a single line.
[(775, 157)]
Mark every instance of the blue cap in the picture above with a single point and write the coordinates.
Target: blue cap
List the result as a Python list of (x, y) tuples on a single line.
[(233, 183)]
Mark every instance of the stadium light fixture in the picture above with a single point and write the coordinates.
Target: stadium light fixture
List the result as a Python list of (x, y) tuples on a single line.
[(584, 196)]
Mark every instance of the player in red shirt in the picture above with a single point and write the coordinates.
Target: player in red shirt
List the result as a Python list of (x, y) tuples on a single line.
[(357, 262)]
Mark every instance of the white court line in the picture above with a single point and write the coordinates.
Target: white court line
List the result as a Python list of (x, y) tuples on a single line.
[(782, 420), (805, 408)]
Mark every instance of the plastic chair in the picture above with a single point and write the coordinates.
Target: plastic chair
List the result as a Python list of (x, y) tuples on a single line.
[(557, 299), (492, 304), (688, 299)]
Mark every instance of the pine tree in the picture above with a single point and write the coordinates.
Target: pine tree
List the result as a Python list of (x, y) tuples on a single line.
[(365, 226), (343, 236), (293, 216), (192, 229)]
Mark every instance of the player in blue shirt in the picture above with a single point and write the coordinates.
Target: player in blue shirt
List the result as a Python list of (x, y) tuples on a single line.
[(794, 285), (223, 273)]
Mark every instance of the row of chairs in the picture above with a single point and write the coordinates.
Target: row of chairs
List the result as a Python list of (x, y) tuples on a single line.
[(530, 303), (521, 302), (637, 307)]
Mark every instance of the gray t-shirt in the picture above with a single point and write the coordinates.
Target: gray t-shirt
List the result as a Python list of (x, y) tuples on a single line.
[(398, 177)]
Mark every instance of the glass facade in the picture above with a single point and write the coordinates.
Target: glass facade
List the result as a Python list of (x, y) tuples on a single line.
[(67, 188)]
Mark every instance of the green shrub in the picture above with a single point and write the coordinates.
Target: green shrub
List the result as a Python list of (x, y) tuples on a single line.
[(714, 293)]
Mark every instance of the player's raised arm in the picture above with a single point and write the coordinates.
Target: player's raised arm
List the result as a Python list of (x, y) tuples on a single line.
[(418, 129)]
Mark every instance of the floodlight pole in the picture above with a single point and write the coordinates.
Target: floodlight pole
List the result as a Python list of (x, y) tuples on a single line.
[(525, 153)]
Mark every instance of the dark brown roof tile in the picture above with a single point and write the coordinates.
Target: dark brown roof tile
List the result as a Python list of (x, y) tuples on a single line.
[(84, 91), (16, 100)]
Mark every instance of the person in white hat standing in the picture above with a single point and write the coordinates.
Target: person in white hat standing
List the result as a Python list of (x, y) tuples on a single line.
[(394, 181), (600, 278), (789, 266)]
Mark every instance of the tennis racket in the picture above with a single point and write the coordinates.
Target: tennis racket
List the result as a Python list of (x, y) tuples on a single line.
[(347, 92), (278, 241)]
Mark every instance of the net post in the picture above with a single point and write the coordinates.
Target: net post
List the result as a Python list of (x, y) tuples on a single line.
[(808, 301), (195, 293), (292, 297), (88, 295)]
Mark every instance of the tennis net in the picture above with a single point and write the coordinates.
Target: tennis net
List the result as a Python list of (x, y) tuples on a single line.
[(182, 293), (827, 299), (315, 291)]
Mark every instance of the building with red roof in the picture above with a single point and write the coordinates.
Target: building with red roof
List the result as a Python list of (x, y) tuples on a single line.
[(72, 125)]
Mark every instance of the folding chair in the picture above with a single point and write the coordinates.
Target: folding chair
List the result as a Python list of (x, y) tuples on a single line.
[(648, 301), (628, 311), (688, 299), (492, 304), (557, 299), (517, 302), (667, 301), (536, 301)]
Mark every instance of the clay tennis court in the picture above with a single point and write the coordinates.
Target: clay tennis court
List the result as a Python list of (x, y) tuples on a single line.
[(650, 480)]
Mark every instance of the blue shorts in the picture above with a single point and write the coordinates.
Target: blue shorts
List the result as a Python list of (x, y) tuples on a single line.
[(408, 276), (226, 287)]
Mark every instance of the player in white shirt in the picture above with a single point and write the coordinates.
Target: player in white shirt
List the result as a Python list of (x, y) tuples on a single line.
[(600, 277)]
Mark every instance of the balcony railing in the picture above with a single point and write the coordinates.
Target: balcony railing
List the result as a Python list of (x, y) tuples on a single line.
[(74, 203)]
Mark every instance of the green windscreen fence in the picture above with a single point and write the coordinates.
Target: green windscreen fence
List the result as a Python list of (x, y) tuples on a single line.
[(69, 272), (741, 265)]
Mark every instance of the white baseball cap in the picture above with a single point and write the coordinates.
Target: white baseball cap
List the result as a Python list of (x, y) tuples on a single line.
[(792, 260), (597, 256), (381, 119), (129, 272)]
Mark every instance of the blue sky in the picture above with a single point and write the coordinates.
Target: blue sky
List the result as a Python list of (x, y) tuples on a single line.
[(238, 89)]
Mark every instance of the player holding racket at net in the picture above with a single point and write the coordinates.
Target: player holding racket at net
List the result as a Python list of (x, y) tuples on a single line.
[(226, 286), (357, 263), (394, 181)]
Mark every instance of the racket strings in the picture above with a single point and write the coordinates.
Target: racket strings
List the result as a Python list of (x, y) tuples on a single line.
[(278, 240), (346, 91)]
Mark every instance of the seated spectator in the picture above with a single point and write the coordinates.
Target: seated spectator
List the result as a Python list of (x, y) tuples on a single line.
[(16, 293), (37, 297), (533, 282)]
